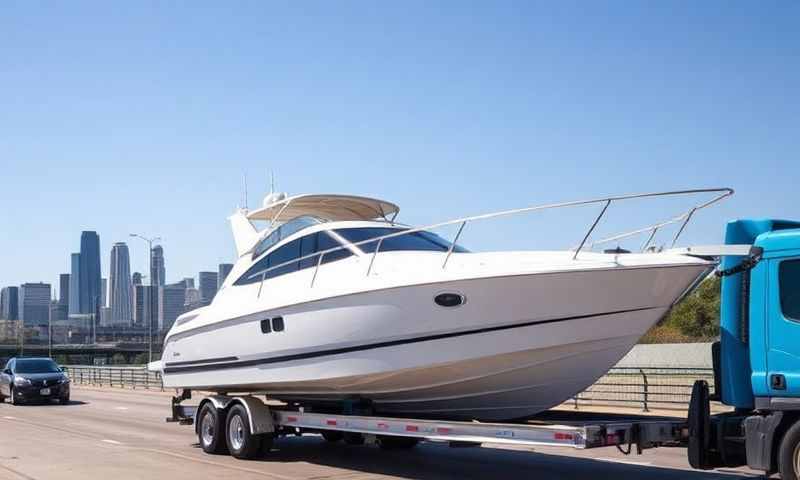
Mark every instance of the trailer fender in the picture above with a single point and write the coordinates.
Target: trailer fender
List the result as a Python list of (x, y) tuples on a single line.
[(259, 414), (759, 438), (261, 420)]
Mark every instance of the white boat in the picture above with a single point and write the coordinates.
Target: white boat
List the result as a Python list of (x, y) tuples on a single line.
[(336, 306)]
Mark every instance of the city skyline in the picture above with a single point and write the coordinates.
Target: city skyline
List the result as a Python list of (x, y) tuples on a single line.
[(446, 117)]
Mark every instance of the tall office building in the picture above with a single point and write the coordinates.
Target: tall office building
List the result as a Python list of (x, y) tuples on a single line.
[(137, 278), (74, 284), (104, 301), (171, 300), (223, 272), (34, 304), (158, 271), (9, 303), (121, 290), (90, 285), (207, 285), (141, 305), (188, 282), (63, 289), (58, 312)]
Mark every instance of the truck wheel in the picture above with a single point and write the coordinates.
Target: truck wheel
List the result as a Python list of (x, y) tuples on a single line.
[(211, 430), (241, 442), (390, 442), (789, 454), (332, 435)]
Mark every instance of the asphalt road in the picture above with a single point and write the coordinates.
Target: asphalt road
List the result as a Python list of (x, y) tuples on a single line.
[(121, 434)]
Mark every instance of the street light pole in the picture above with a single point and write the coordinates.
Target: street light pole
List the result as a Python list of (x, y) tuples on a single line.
[(151, 295)]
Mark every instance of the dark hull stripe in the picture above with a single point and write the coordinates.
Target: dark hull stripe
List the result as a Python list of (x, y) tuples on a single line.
[(201, 365)]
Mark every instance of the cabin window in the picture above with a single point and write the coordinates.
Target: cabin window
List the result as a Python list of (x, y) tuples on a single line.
[(287, 229), (789, 282), (421, 241), (300, 247)]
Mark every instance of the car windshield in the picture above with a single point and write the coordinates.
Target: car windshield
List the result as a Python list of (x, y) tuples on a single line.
[(36, 366), (420, 240)]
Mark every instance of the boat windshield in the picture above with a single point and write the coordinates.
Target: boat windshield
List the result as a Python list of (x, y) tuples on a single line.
[(292, 226), (422, 240)]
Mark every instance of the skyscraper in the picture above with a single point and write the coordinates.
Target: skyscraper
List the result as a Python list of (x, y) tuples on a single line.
[(89, 285), (63, 289), (141, 304), (223, 271), (104, 301), (34, 304), (188, 282), (207, 285), (9, 303), (120, 280), (74, 284), (137, 278), (171, 300), (158, 271)]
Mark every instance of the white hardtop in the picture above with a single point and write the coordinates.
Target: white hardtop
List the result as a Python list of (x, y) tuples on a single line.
[(331, 207)]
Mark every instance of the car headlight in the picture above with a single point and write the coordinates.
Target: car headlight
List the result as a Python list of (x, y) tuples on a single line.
[(64, 380), (21, 382)]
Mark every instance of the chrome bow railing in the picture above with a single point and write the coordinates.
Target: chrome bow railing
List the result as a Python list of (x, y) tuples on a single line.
[(683, 218)]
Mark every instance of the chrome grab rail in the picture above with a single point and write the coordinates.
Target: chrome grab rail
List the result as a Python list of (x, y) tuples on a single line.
[(607, 201)]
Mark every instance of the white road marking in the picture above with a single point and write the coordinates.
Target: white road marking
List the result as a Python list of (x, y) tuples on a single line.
[(9, 418), (626, 462), (120, 408), (113, 442)]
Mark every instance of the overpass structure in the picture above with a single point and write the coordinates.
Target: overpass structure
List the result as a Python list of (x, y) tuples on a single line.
[(75, 353)]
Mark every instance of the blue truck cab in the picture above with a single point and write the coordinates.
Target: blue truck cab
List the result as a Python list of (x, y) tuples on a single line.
[(757, 359)]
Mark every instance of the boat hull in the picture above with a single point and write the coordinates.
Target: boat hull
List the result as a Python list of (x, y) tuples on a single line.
[(519, 344)]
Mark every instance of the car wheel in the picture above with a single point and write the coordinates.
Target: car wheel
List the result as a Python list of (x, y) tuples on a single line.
[(64, 400), (14, 400), (241, 441), (211, 430)]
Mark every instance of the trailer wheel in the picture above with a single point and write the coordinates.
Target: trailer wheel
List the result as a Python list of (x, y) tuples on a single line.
[(211, 430), (353, 438), (241, 441), (789, 454), (391, 442), (332, 435)]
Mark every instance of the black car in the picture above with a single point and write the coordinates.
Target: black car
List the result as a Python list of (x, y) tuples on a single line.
[(28, 379)]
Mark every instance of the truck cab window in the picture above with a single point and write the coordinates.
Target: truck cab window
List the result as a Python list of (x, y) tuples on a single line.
[(789, 284)]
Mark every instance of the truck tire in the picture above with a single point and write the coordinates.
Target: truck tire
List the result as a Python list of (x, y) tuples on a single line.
[(241, 442), (789, 454), (211, 430)]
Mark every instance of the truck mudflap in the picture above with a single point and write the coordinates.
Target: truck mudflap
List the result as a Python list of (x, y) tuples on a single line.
[(700, 428), (759, 438)]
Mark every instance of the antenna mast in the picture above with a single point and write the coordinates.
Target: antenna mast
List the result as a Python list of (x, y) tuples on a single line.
[(244, 179)]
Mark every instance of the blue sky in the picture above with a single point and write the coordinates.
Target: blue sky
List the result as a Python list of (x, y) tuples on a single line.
[(142, 116)]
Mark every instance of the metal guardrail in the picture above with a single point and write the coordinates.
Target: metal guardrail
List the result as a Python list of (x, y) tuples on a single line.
[(122, 377), (646, 388), (668, 388)]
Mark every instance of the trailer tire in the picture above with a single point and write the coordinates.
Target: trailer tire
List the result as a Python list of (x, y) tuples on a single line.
[(332, 435), (353, 438), (789, 454), (391, 442), (241, 442), (211, 430)]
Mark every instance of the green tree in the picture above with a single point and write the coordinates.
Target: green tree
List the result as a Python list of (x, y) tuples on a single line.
[(697, 315)]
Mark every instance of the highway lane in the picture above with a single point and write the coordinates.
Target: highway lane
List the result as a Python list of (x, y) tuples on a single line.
[(121, 434)]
